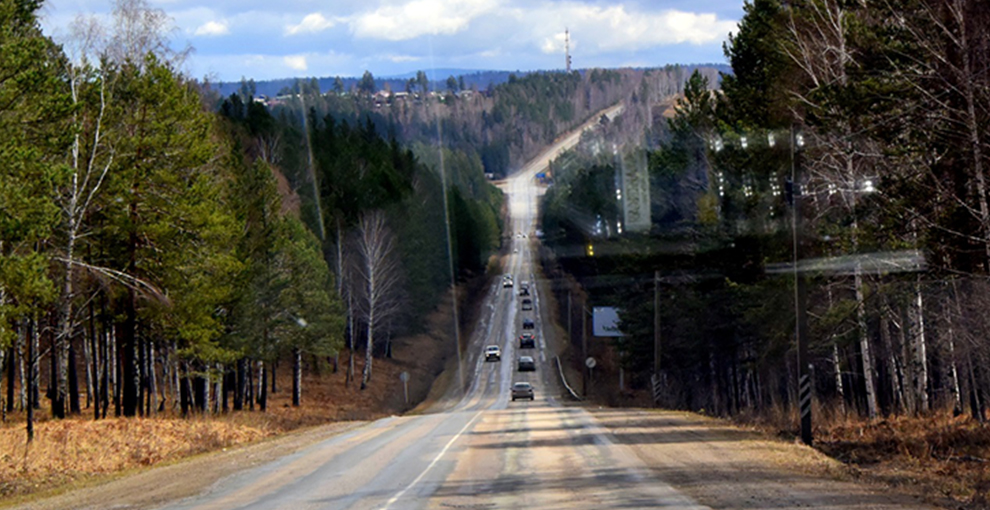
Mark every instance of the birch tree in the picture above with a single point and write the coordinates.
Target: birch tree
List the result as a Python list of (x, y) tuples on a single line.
[(378, 273), (838, 158)]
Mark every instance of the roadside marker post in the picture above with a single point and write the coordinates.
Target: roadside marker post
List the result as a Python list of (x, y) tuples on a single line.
[(404, 377)]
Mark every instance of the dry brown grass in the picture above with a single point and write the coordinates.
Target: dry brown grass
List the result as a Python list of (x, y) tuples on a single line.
[(78, 448), (939, 456)]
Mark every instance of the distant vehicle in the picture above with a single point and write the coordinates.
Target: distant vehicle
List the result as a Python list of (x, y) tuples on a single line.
[(528, 323), (524, 284), (507, 281), (527, 304), (527, 341), (522, 390), (523, 291), (493, 353), (527, 364)]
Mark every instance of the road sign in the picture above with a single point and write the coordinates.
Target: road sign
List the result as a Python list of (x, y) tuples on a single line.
[(590, 362)]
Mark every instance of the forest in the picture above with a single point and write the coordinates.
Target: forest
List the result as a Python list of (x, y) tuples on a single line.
[(164, 249), (832, 187)]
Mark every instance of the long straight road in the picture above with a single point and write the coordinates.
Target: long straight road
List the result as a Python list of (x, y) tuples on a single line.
[(479, 449)]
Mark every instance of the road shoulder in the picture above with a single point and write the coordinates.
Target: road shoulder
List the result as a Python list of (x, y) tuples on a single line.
[(723, 466), (151, 487)]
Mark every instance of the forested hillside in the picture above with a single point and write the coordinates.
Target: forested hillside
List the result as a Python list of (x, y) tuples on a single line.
[(155, 255), (849, 137), (502, 127)]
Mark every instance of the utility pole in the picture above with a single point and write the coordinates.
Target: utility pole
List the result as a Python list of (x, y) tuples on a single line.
[(570, 338), (584, 348), (656, 322), (800, 292)]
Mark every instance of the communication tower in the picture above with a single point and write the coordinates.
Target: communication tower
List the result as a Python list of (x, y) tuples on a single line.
[(567, 49)]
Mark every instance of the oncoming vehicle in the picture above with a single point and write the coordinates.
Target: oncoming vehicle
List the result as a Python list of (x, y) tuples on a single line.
[(493, 353), (507, 281), (527, 341), (527, 364), (522, 390)]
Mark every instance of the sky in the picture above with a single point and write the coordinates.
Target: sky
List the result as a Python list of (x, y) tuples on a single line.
[(265, 39)]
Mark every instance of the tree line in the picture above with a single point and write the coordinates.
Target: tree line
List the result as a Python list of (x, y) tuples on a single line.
[(156, 255), (860, 125)]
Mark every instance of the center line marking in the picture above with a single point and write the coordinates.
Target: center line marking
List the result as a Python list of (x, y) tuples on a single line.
[(435, 460)]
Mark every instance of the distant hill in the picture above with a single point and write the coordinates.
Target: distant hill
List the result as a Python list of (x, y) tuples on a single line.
[(473, 78)]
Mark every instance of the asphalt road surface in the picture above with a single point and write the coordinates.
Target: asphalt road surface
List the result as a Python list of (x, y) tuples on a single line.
[(479, 449)]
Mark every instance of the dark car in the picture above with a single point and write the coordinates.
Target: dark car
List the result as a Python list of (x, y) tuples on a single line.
[(528, 323), (527, 341), (523, 291), (527, 304), (527, 364), (522, 390)]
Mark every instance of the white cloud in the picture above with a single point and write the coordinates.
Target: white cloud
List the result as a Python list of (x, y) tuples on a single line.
[(402, 58), (312, 23), (213, 28), (621, 28), (295, 62), (555, 44), (419, 17)]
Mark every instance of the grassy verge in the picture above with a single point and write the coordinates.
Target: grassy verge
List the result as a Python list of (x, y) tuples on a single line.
[(79, 449)]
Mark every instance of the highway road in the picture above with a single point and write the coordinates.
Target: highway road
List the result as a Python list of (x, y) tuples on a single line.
[(479, 449)]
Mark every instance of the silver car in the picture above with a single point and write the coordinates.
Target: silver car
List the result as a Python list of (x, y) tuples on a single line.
[(522, 390), (527, 364)]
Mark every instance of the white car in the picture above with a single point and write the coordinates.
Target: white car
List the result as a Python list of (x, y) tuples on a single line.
[(493, 353)]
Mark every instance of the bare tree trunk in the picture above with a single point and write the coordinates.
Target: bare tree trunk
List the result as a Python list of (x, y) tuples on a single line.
[(296, 376), (957, 407), (369, 350), (32, 333), (11, 377), (897, 394), (152, 379), (262, 387), (21, 356), (836, 365), (87, 343), (919, 349), (3, 364), (869, 371), (73, 381)]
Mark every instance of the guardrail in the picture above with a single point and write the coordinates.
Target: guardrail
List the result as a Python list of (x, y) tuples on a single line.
[(563, 379)]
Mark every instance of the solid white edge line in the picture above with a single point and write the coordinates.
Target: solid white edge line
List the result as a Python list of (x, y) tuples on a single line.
[(433, 463)]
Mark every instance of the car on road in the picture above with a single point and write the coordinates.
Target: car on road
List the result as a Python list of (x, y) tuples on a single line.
[(528, 323), (527, 341), (522, 390), (527, 364), (523, 291), (527, 304), (493, 353), (507, 281)]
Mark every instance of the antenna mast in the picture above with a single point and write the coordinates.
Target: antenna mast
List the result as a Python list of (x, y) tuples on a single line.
[(567, 49)]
